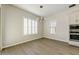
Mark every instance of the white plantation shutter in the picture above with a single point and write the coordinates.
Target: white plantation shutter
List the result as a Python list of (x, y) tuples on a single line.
[(33, 26), (52, 27), (30, 26), (36, 27), (25, 26)]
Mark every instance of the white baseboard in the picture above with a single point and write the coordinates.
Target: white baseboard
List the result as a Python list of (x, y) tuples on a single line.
[(57, 39), (74, 43), (28, 41), (18, 43)]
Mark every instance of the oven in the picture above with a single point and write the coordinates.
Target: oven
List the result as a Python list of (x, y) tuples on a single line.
[(74, 32)]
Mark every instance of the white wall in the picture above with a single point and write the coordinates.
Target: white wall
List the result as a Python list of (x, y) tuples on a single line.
[(62, 28), (13, 26)]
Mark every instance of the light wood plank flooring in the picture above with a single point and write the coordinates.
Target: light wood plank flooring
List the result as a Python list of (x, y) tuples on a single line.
[(42, 47), (0, 52)]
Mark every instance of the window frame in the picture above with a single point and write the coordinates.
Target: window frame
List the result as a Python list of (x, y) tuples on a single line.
[(52, 26), (32, 26)]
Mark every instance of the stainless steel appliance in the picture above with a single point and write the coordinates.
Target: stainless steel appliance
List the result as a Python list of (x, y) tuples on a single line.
[(74, 35), (74, 32)]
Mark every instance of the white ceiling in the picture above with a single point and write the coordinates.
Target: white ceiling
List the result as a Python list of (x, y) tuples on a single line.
[(47, 10)]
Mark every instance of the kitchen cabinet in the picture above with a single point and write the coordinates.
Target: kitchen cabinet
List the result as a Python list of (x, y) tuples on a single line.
[(74, 17), (74, 29)]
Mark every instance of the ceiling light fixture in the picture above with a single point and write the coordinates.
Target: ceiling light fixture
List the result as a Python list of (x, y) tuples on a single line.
[(72, 5), (41, 6)]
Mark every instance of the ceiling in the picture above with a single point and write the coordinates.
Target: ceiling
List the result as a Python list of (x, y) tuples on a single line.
[(47, 10)]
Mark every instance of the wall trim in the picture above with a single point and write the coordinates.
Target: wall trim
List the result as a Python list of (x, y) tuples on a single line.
[(19, 43), (56, 40), (30, 41)]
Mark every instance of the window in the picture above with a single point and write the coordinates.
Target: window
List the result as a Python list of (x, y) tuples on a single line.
[(35, 27), (30, 26), (25, 26), (52, 27)]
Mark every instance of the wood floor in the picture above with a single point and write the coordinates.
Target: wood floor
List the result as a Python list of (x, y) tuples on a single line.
[(0, 52), (42, 47)]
